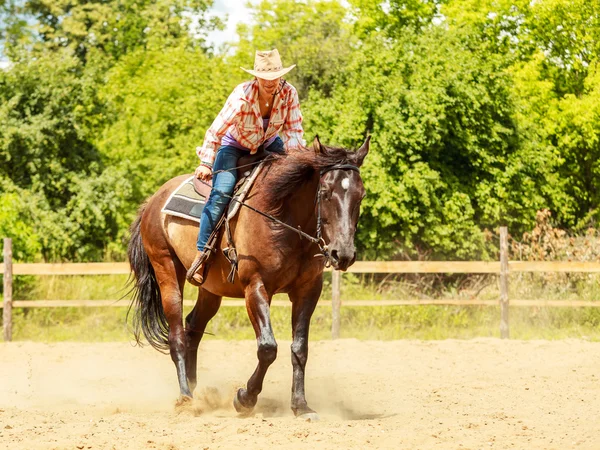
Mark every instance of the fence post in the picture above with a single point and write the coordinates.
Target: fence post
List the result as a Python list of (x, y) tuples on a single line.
[(504, 329), (335, 304), (7, 312)]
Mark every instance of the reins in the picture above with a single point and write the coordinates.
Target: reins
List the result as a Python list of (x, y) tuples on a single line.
[(255, 163), (318, 240)]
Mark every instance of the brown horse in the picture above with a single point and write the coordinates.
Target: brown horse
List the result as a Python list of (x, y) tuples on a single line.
[(272, 259)]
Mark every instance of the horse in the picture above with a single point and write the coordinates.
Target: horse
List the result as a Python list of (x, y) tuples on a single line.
[(316, 190)]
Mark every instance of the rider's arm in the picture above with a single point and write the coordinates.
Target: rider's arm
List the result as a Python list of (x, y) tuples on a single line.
[(225, 119), (292, 128)]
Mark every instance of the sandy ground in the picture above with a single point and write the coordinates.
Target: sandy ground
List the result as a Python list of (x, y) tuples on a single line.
[(476, 394)]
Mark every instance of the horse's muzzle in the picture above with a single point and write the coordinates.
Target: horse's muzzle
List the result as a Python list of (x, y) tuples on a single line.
[(341, 259)]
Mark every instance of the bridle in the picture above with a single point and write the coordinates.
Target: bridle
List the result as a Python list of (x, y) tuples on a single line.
[(318, 240)]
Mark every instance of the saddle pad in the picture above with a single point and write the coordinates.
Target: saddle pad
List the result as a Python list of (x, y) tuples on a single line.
[(185, 202)]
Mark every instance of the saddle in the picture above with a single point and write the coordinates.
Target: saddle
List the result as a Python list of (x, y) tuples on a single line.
[(189, 198)]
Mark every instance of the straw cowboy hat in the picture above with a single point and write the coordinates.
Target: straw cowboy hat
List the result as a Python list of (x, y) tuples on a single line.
[(267, 65)]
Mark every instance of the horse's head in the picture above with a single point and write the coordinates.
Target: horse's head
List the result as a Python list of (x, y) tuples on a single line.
[(342, 191)]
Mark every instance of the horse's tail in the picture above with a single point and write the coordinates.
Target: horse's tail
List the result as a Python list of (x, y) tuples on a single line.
[(148, 315)]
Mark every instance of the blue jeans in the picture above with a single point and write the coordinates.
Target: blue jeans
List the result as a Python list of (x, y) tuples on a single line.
[(227, 158)]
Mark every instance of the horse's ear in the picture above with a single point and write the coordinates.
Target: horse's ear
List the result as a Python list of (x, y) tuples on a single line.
[(362, 152), (317, 146)]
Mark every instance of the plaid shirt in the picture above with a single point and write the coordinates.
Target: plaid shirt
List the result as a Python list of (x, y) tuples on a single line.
[(241, 117)]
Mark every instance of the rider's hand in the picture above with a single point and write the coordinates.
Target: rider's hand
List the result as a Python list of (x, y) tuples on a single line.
[(203, 173)]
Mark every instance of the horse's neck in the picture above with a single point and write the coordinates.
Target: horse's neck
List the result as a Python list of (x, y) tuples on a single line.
[(299, 209)]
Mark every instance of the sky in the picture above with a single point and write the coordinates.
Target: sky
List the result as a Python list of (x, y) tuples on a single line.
[(237, 12)]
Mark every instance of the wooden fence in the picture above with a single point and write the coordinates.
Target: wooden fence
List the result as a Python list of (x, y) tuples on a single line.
[(502, 268)]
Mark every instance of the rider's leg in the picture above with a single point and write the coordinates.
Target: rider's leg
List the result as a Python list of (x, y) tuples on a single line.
[(276, 146), (223, 184)]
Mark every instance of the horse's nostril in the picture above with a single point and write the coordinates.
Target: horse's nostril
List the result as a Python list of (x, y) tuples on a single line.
[(334, 255)]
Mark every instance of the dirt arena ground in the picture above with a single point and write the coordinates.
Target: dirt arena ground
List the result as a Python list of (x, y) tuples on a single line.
[(477, 394)]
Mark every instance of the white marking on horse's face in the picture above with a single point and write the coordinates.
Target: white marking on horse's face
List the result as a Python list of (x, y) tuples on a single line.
[(346, 183)]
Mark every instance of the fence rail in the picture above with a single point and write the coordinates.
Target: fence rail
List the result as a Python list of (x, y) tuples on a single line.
[(482, 267), (502, 268), (285, 303)]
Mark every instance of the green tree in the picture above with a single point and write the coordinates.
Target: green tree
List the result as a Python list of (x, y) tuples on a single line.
[(112, 28), (312, 34), (44, 107), (15, 223), (554, 47), (159, 105), (69, 200), (481, 111), (576, 134), (568, 33), (442, 129), (393, 18), (80, 185)]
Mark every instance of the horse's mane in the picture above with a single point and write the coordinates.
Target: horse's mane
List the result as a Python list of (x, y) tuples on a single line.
[(288, 172)]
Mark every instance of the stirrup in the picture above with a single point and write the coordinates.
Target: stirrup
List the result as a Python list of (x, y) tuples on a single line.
[(231, 256)]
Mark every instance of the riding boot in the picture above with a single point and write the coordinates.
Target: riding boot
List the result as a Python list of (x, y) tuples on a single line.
[(195, 274)]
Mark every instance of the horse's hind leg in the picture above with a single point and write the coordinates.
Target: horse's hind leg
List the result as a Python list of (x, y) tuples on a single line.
[(257, 304), (205, 309), (170, 275)]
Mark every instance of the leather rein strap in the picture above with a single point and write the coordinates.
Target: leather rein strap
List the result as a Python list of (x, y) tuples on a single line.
[(315, 240)]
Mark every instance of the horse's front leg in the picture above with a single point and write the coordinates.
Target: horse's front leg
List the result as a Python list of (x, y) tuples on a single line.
[(304, 300), (258, 305)]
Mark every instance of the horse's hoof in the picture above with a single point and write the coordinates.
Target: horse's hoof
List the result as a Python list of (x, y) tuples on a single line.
[(309, 417), (183, 402), (237, 404), (184, 399)]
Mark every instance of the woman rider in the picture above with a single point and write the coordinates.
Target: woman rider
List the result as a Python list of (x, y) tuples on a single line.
[(264, 111)]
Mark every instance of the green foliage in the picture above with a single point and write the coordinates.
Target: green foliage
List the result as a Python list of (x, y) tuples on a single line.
[(159, 104), (311, 34), (576, 134), (443, 130), (69, 203), (44, 138), (568, 31), (554, 44), (14, 224), (482, 112), (393, 17), (113, 28)]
